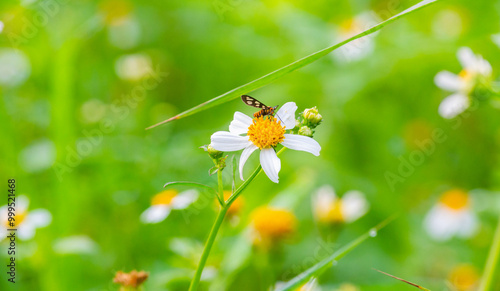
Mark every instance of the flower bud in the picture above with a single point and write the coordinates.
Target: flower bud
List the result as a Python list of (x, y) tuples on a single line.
[(312, 116), (306, 130), (214, 154)]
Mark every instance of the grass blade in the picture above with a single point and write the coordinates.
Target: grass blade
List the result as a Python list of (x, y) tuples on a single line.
[(321, 266), (266, 79), (403, 280)]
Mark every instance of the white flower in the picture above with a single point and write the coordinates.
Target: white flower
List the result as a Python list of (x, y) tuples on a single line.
[(264, 134), (451, 216), (474, 67), (76, 244), (329, 208), (15, 67), (361, 47), (25, 222), (165, 201)]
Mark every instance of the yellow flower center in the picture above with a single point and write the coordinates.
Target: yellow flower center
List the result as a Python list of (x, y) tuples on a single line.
[(18, 219), (334, 213), (272, 224), (164, 197), (455, 199), (466, 75), (464, 277), (266, 132)]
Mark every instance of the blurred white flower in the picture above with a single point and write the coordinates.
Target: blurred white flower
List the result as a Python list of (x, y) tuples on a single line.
[(496, 39), (1, 26), (93, 110), (76, 244), (331, 209), (133, 67), (264, 134), (38, 156), (124, 34), (451, 216), (474, 68), (447, 24), (14, 67), (165, 201), (359, 48), (25, 222)]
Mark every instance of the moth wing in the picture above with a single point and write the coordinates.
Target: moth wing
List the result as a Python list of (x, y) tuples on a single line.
[(250, 101)]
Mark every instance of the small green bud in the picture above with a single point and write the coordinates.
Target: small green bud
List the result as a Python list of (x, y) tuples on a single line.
[(312, 116), (306, 130), (214, 154)]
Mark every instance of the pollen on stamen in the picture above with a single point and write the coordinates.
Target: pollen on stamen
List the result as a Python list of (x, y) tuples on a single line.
[(266, 132)]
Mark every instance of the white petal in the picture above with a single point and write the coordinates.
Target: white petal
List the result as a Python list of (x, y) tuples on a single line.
[(4, 215), (76, 244), (453, 105), (484, 67), (39, 218), (323, 200), (301, 143), (271, 164), (227, 142), (155, 214), (468, 225), (184, 199), (25, 231), (441, 223), (244, 157), (448, 81), (354, 205), (467, 58), (287, 114), (22, 203), (240, 123)]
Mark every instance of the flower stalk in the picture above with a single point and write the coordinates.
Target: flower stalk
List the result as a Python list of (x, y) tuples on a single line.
[(218, 222), (492, 262)]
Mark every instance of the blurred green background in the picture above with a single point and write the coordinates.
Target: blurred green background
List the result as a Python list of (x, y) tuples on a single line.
[(77, 95)]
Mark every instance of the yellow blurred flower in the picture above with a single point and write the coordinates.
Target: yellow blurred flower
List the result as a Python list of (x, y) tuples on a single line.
[(464, 277), (237, 205), (271, 225)]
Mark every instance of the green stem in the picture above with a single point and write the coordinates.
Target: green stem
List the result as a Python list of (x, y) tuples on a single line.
[(492, 262), (221, 188), (218, 222), (208, 247)]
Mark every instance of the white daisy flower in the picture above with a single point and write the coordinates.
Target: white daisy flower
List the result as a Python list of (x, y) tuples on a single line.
[(25, 222), (474, 68), (451, 216), (165, 201), (361, 47), (264, 134), (331, 209)]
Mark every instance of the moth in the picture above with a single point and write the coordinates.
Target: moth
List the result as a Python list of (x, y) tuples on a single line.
[(264, 109)]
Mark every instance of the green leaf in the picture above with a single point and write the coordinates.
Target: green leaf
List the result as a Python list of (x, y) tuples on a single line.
[(267, 79), (194, 184), (321, 266)]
